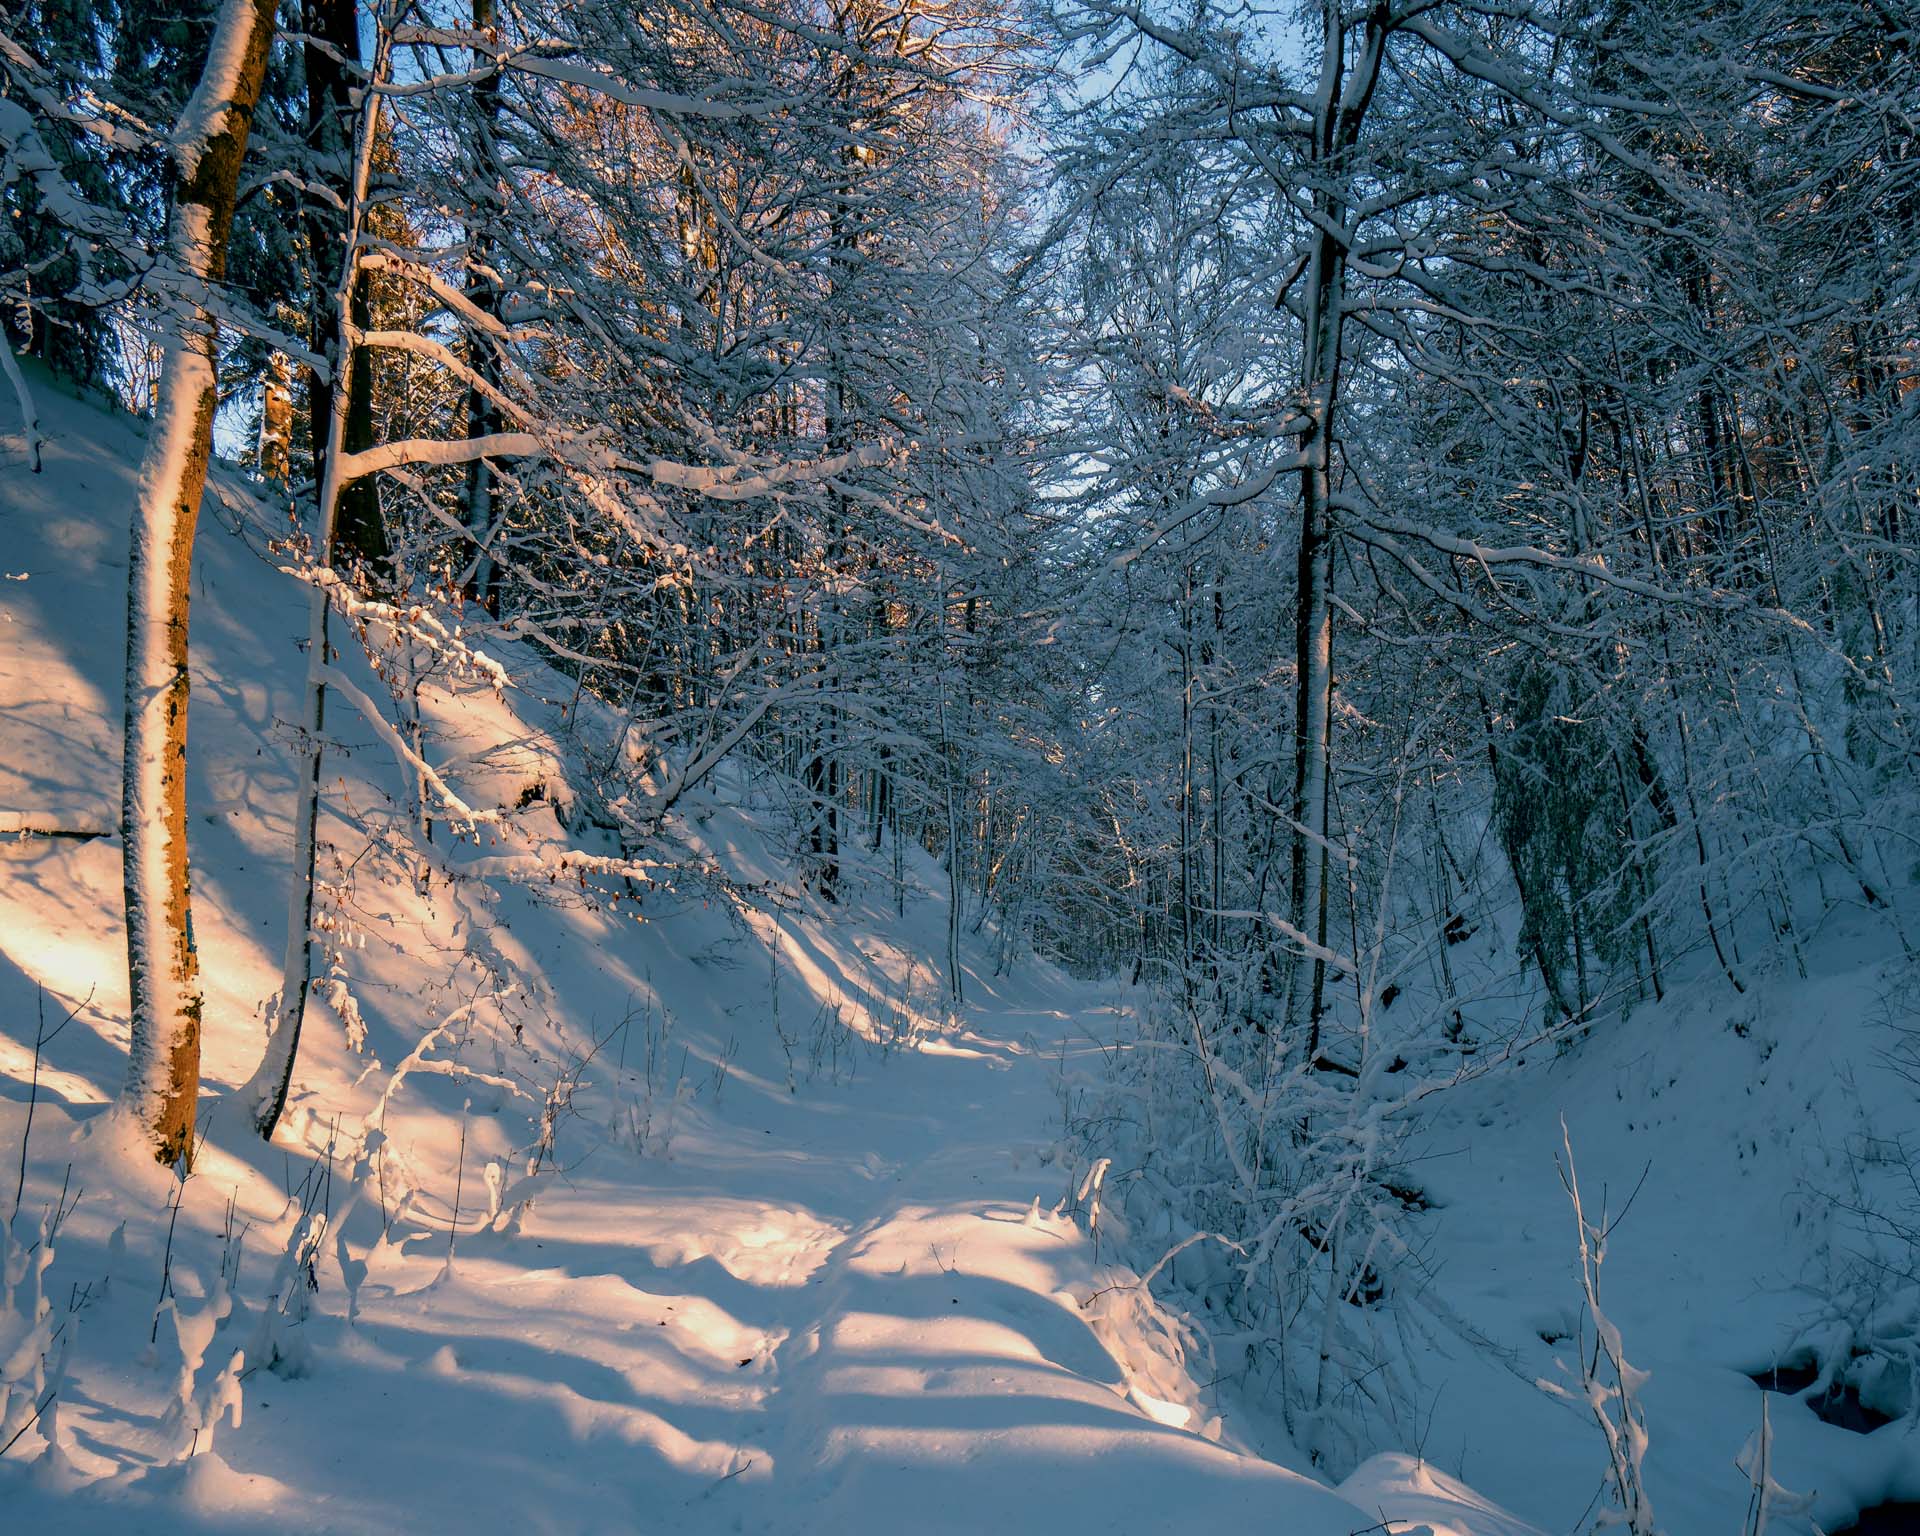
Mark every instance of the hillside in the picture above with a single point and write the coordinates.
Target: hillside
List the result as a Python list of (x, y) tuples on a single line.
[(750, 1236)]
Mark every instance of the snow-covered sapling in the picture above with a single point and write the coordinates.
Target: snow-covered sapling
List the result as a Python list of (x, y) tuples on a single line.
[(1609, 1384)]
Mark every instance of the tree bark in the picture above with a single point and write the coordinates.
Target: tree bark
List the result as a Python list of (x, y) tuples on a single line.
[(163, 1053), (330, 71), (483, 418)]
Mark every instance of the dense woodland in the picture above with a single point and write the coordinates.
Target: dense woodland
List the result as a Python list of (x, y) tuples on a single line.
[(1391, 527)]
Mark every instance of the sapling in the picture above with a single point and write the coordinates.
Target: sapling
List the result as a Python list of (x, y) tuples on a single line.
[(723, 1067), (787, 1041), (1088, 1195), (275, 1344), (1766, 1497), (202, 1395), (174, 1198), (459, 1177), (42, 1038), (1609, 1384)]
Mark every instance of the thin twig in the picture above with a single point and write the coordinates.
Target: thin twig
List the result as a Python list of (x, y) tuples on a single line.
[(52, 1393)]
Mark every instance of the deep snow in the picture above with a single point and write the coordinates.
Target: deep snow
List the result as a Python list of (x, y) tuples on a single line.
[(799, 1256), (803, 1253)]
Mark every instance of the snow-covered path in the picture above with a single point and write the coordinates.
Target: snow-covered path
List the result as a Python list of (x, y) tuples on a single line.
[(939, 1359), (874, 1319), (830, 1311)]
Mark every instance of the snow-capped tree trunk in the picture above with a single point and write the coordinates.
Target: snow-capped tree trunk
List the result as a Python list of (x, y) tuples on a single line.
[(29, 417), (265, 1093), (163, 1078)]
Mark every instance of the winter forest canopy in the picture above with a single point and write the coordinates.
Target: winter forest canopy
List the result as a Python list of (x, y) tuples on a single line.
[(1359, 559)]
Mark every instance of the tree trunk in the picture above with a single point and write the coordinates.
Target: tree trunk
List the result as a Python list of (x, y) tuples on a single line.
[(1340, 107), (483, 417), (275, 450), (163, 1066), (955, 980), (330, 72), (265, 1093), (1188, 941)]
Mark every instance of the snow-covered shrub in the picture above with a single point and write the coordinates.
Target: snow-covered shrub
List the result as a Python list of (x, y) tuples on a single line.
[(1308, 1284), (1862, 1339), (1864, 1336), (29, 1357), (279, 1343), (647, 1107), (206, 1376), (1608, 1384)]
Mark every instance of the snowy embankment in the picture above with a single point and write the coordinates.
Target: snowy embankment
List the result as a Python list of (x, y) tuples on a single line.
[(1748, 1149), (1751, 1157), (577, 1222)]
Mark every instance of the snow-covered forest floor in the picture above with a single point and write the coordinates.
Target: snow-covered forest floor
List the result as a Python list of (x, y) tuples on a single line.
[(1110, 765), (801, 1254), (718, 1220)]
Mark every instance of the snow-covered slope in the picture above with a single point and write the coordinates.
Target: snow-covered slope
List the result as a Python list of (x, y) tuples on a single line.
[(1754, 1158), (1740, 1144), (704, 1218)]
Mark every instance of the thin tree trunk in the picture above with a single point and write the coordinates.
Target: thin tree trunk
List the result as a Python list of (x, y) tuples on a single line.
[(1340, 107), (1216, 937), (483, 418), (955, 980), (163, 1053), (1187, 944), (330, 64), (29, 417), (955, 984), (265, 1093)]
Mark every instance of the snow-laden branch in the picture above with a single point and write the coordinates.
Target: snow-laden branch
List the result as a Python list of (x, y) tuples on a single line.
[(1488, 556), (556, 60), (721, 482), (437, 451), (371, 712)]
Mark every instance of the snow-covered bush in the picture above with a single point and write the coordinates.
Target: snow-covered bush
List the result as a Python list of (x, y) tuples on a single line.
[(279, 1342), (1864, 1336), (206, 1374), (1311, 1284), (30, 1357)]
